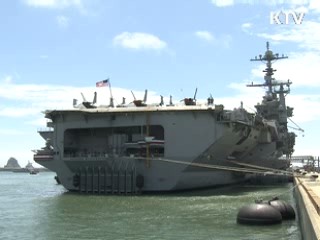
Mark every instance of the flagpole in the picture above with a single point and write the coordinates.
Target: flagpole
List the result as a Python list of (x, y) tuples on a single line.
[(111, 98)]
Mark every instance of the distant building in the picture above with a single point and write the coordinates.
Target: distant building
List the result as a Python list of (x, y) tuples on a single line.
[(12, 164)]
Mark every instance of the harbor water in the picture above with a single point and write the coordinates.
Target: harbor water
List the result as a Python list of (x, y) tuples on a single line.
[(35, 207)]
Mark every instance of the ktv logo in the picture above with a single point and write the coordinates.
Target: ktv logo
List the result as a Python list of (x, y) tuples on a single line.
[(286, 17)]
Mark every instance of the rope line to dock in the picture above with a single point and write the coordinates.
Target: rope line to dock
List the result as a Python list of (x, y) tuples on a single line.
[(220, 167), (289, 190), (260, 199), (260, 167)]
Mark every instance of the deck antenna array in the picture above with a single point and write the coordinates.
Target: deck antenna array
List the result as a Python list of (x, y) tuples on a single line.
[(86, 103), (161, 100), (140, 103), (134, 97), (191, 101)]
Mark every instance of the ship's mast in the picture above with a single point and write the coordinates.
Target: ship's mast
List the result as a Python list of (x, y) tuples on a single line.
[(273, 106), (270, 82), (276, 91)]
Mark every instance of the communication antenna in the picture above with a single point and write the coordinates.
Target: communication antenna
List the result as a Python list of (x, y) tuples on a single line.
[(195, 94), (134, 97)]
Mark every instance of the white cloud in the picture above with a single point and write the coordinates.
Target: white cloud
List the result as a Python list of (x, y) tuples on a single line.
[(304, 107), (288, 2), (54, 3), (302, 68), (246, 25), (307, 35), (7, 79), (62, 21), (29, 100), (21, 100), (300, 9), (41, 121), (225, 3), (247, 28), (137, 40), (18, 111), (11, 132), (223, 40), (314, 5), (310, 4), (57, 4), (222, 3), (41, 3), (205, 35)]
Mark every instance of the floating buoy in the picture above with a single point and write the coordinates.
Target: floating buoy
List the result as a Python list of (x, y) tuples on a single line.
[(259, 214), (286, 210)]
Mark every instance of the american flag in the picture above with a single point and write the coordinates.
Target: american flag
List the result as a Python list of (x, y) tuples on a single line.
[(102, 83)]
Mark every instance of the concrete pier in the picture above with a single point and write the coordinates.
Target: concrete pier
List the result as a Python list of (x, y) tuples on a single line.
[(307, 195)]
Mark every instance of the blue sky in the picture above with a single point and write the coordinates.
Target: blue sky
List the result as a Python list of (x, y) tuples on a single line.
[(52, 50)]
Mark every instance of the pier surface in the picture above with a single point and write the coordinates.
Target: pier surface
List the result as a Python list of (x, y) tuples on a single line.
[(307, 194)]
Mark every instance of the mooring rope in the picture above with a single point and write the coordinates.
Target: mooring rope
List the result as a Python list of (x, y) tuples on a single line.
[(218, 167), (260, 199), (258, 170), (260, 167), (289, 190)]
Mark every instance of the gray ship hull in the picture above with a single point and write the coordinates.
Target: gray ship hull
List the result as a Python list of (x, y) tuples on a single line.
[(97, 151)]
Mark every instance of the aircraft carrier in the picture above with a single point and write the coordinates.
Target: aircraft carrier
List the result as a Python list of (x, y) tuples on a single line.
[(139, 147)]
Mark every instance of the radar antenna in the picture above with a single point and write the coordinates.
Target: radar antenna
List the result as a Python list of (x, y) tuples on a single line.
[(195, 94), (134, 97), (86, 103), (191, 101), (140, 103), (270, 82)]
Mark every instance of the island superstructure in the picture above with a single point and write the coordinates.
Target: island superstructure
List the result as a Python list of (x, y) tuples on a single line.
[(158, 147), (272, 110)]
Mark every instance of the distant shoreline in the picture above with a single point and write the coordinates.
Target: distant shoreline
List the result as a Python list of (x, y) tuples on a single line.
[(22, 170)]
